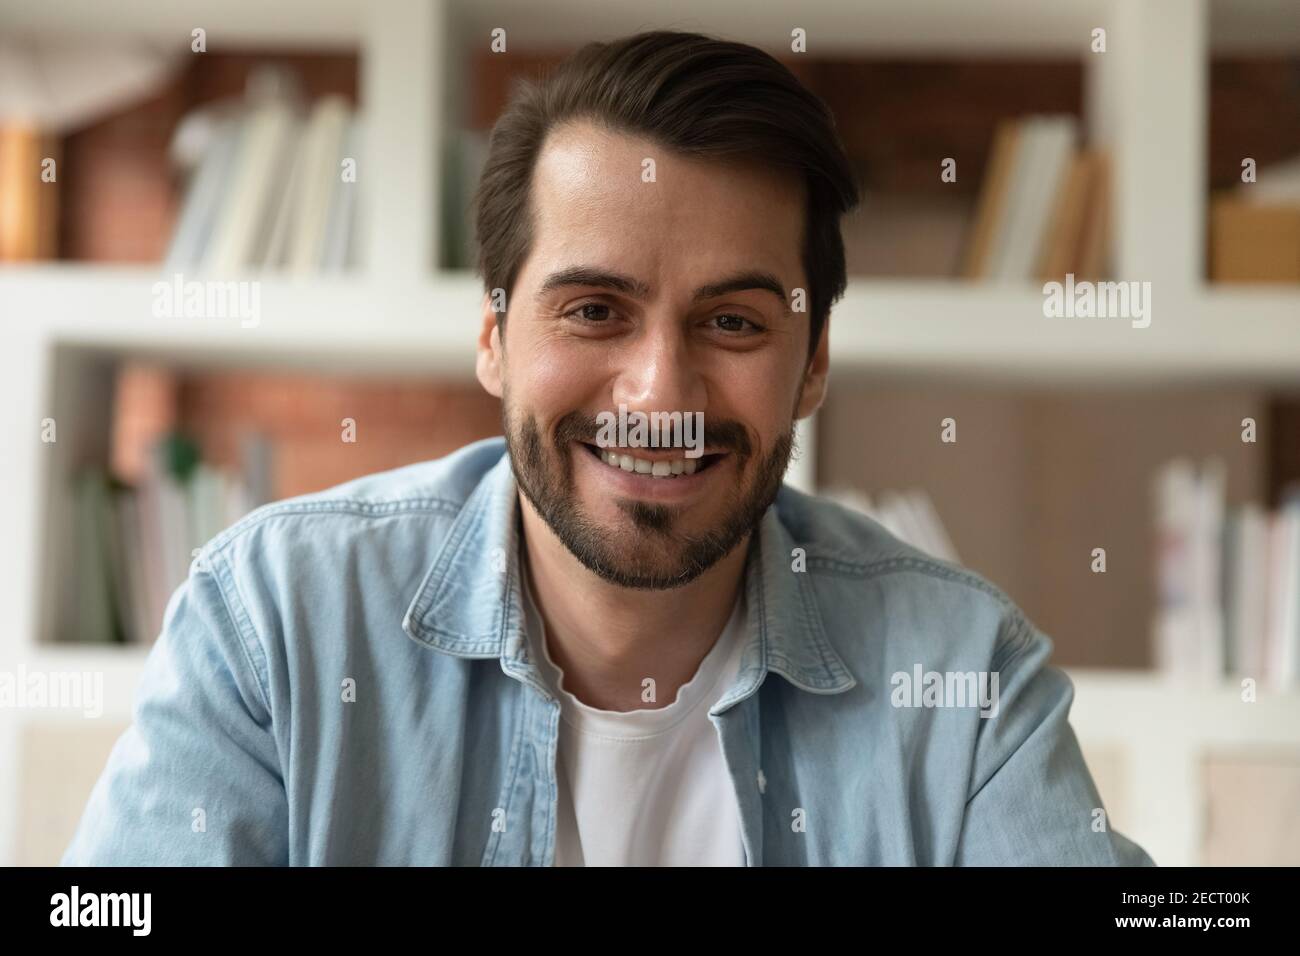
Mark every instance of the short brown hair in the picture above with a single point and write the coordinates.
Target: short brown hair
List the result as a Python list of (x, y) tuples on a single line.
[(697, 95)]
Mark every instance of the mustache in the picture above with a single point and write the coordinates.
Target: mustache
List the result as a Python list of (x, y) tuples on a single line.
[(723, 434)]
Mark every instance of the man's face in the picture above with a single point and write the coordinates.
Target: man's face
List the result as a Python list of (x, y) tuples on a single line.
[(613, 307)]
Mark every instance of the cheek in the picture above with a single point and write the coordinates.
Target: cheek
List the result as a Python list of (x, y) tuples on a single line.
[(548, 383), (759, 391)]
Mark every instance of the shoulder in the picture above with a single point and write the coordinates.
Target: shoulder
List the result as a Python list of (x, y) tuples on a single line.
[(398, 508), (871, 583)]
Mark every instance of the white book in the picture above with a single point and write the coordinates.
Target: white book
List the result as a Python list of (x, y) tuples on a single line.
[(1284, 599), (939, 543), (1290, 656), (176, 528), (909, 516), (204, 504), (278, 204), (203, 197), (93, 593), (1175, 626), (235, 499), (913, 523), (1249, 586), (340, 225), (275, 254), (852, 499), (152, 552), (141, 628), (1049, 144), (1208, 569), (257, 455), (1021, 167), (897, 518), (1278, 184), (260, 173), (322, 147)]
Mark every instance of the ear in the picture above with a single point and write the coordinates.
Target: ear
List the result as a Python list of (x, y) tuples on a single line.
[(489, 364), (815, 376)]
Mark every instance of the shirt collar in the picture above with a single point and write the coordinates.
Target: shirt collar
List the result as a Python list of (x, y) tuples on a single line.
[(470, 604)]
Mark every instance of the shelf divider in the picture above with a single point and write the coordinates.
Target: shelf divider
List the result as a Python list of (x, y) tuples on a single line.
[(1157, 53), (402, 102)]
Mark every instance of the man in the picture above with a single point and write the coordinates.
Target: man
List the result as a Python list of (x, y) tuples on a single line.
[(572, 647)]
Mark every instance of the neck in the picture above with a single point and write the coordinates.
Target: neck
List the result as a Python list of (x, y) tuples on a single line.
[(608, 639)]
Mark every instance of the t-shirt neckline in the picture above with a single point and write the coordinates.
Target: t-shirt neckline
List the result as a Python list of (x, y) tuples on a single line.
[(643, 722)]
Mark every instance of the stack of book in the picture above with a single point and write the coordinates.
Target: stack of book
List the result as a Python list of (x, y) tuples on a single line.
[(909, 516), (1229, 581), (136, 543), (273, 191), (1043, 205)]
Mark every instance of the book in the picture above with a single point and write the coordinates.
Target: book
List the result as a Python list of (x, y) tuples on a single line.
[(28, 204), (1207, 540), (1174, 624), (908, 515), (1283, 626), (137, 619), (260, 166), (1062, 247), (96, 615), (201, 207), (1228, 582), (275, 252), (339, 223), (991, 209), (267, 192), (1251, 242), (320, 174), (1092, 260), (1247, 564), (1046, 145)]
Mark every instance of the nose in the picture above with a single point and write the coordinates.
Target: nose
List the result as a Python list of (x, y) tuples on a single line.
[(659, 372)]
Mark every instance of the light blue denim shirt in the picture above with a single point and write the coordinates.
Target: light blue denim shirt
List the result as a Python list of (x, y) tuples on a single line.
[(343, 679)]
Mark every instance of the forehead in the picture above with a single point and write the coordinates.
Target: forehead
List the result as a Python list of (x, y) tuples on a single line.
[(594, 203)]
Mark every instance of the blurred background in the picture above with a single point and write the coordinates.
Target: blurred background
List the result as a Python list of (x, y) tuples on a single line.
[(1133, 489)]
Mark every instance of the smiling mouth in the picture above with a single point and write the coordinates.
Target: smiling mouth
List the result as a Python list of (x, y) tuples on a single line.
[(677, 466)]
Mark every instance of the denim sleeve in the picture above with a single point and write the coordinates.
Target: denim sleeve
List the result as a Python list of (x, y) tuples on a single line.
[(196, 778), (1032, 800)]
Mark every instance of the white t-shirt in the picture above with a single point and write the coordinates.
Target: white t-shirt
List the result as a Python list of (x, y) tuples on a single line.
[(645, 787)]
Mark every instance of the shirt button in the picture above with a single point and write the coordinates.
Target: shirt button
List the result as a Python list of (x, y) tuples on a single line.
[(762, 782)]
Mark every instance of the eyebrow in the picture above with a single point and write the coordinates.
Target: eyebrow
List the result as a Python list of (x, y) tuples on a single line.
[(589, 276)]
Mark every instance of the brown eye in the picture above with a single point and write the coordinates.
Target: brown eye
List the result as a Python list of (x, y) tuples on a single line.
[(734, 323), (584, 312)]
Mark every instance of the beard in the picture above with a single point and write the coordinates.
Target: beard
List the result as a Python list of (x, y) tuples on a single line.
[(649, 551)]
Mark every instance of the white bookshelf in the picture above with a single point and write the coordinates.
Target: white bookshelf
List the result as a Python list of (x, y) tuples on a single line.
[(1162, 730), (399, 314), (1247, 335)]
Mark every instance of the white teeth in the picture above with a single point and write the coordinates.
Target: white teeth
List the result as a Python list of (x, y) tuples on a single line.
[(655, 469)]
